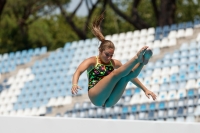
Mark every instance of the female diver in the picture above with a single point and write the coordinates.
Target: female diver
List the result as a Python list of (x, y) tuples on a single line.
[(108, 77)]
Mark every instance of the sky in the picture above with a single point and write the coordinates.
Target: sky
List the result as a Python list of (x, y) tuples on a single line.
[(82, 10)]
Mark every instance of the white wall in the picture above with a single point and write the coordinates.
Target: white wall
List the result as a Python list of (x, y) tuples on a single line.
[(76, 125)]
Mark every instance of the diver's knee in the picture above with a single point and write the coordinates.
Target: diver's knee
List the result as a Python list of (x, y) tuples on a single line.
[(108, 103)]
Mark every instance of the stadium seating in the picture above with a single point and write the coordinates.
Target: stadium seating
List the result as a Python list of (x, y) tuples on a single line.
[(47, 83)]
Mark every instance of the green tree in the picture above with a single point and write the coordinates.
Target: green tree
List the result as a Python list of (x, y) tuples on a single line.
[(34, 23)]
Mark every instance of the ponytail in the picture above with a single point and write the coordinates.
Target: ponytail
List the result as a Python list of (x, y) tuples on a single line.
[(96, 30)]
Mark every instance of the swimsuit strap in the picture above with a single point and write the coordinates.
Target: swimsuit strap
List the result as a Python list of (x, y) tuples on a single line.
[(97, 62), (111, 63)]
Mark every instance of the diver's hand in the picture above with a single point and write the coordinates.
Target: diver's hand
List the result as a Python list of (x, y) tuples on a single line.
[(75, 88), (148, 92)]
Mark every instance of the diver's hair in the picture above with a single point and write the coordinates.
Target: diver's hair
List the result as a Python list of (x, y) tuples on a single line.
[(96, 30)]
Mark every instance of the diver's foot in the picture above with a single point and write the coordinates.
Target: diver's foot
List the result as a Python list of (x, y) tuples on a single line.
[(140, 54), (147, 55)]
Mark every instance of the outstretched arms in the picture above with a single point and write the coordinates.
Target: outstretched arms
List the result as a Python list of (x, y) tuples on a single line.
[(147, 92), (81, 68)]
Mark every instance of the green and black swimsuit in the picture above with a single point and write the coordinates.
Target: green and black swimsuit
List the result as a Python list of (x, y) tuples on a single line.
[(98, 72)]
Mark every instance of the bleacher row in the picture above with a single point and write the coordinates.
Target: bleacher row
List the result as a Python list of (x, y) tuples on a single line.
[(166, 110), (9, 61), (160, 75), (48, 82)]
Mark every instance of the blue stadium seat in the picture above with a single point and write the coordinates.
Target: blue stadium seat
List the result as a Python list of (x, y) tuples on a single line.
[(183, 76), (193, 52), (5, 57), (77, 107), (166, 63), (151, 115), (184, 53), (164, 86), (48, 95), (128, 92), (180, 111), (20, 98), (67, 46), (192, 75), (191, 93), (141, 74), (123, 116), (94, 41), (183, 68), (165, 34), (74, 44), (143, 107), (156, 80), (100, 112), (85, 106), (173, 86), (25, 59), (87, 42), (134, 109), (189, 24), (181, 26), (175, 62), (137, 90), (117, 110), (162, 96), (196, 22), (30, 52), (16, 106), (158, 36), (3, 70), (162, 105), (176, 54), (183, 60), (30, 104), (158, 30), (192, 59), (148, 73), (43, 50), (174, 78), (166, 28), (159, 64), (114, 117), (173, 27), (150, 66), (11, 55), (125, 109), (152, 106), (194, 46), (24, 53), (38, 103), (184, 47), (18, 54), (198, 67)]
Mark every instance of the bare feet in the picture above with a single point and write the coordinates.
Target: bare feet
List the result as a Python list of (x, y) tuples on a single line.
[(147, 55), (141, 53)]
